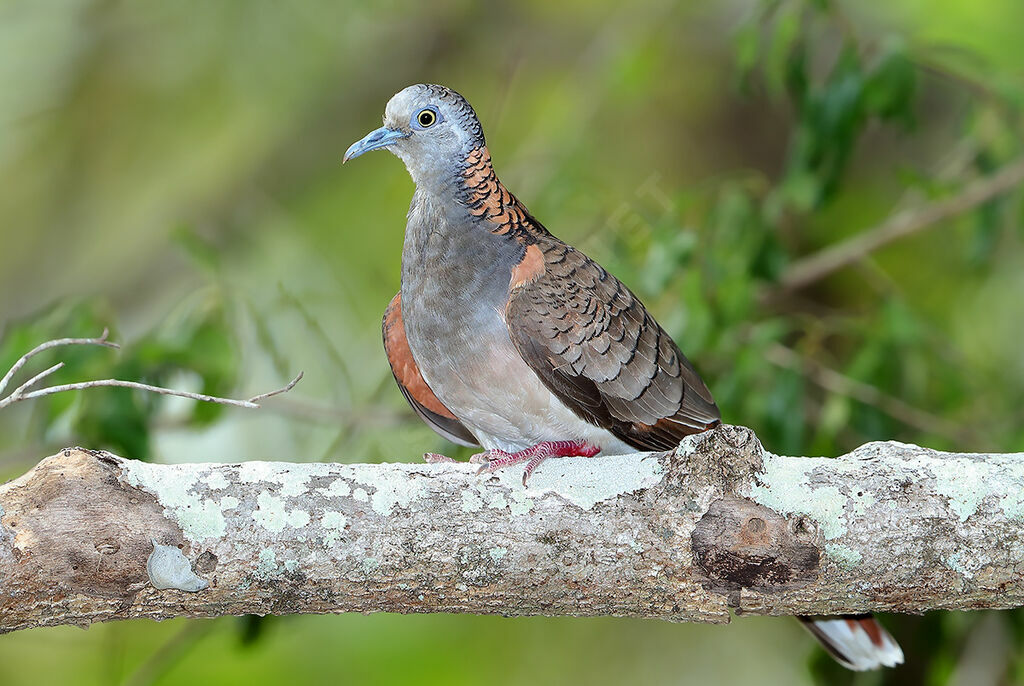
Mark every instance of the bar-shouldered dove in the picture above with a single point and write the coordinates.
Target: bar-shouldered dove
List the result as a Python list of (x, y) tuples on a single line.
[(506, 337)]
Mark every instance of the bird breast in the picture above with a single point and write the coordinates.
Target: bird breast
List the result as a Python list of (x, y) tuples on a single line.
[(455, 284)]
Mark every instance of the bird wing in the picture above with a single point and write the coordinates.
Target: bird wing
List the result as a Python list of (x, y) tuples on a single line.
[(595, 346), (411, 382)]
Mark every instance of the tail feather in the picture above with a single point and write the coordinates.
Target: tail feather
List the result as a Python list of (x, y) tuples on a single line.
[(857, 642)]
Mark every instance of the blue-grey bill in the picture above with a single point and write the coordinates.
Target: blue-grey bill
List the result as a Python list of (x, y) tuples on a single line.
[(381, 138)]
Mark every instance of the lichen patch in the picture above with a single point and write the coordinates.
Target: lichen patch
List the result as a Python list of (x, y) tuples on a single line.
[(388, 492), (272, 515), (959, 563), (966, 482), (576, 480), (847, 557), (338, 488), (267, 567), (333, 524), (785, 486), (471, 501), (292, 478), (203, 520), (174, 487)]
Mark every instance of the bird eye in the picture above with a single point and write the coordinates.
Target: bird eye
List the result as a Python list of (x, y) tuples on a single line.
[(426, 118)]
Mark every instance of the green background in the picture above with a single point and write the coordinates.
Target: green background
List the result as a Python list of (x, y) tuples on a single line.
[(173, 171)]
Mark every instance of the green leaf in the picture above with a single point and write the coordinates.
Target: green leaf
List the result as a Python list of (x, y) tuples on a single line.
[(891, 85)]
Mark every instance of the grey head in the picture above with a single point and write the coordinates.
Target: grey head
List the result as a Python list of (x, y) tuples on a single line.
[(431, 128)]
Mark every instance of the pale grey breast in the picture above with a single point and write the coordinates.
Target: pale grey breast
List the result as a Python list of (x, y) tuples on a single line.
[(455, 280)]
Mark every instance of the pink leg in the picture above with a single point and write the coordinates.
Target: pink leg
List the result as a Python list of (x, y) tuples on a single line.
[(493, 460)]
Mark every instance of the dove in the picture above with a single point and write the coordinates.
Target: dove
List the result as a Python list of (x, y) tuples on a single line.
[(505, 337)]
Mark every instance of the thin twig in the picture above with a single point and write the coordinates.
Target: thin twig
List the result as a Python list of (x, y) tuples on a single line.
[(102, 340), (255, 400), (118, 383), (22, 393), (20, 390), (819, 265)]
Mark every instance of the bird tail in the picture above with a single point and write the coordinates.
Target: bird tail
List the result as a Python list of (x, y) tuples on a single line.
[(857, 642)]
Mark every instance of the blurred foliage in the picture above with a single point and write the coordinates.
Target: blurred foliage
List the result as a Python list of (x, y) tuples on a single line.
[(196, 352), (150, 148), (720, 252)]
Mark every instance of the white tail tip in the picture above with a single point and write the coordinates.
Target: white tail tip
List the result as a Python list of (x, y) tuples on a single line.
[(857, 642)]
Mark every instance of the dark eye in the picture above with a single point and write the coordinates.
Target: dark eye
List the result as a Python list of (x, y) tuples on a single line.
[(426, 118)]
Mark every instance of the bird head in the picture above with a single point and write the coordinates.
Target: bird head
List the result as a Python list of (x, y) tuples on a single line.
[(431, 128)]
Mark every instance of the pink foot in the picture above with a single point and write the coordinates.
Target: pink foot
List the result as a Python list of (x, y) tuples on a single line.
[(434, 458), (495, 459)]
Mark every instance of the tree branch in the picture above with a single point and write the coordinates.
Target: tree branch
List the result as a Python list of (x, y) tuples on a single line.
[(718, 524), (814, 267)]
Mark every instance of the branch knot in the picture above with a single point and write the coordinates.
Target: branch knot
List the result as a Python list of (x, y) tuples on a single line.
[(726, 457)]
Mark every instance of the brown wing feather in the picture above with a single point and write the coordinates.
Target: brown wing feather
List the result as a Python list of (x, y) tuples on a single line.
[(597, 348), (411, 382)]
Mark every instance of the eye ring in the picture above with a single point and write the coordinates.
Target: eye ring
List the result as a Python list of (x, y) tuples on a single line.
[(426, 118)]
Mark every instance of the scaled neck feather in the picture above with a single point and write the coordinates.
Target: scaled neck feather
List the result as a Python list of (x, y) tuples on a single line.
[(486, 197)]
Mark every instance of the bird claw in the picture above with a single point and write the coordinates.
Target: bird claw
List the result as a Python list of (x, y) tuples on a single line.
[(494, 459), (437, 458)]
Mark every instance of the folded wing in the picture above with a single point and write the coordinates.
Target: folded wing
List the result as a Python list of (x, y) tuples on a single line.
[(597, 349)]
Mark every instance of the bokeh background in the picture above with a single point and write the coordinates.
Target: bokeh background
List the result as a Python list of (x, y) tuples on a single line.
[(172, 171)]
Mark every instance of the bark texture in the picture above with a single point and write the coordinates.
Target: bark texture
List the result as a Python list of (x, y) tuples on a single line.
[(717, 525)]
